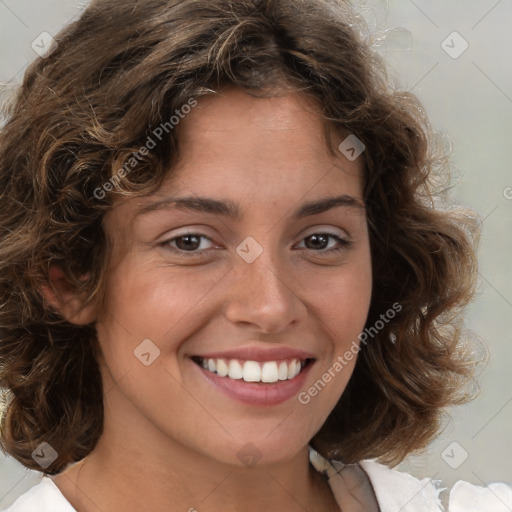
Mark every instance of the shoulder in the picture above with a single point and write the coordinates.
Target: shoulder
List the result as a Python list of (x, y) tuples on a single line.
[(466, 497), (400, 491), (394, 490), (43, 497)]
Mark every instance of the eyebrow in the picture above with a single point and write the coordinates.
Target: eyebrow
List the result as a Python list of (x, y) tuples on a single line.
[(230, 209)]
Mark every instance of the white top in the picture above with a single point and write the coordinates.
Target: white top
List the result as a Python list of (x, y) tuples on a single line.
[(393, 489)]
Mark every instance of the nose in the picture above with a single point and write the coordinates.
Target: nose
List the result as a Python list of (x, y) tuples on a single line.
[(264, 296)]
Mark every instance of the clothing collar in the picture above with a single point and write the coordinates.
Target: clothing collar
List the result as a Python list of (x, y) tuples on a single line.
[(393, 490)]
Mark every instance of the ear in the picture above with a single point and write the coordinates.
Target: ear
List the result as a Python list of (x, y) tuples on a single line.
[(61, 295)]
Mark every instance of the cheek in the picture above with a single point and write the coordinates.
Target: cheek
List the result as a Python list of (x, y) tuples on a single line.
[(341, 300), (341, 303), (151, 301)]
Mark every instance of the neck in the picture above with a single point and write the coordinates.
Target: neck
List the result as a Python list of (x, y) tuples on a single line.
[(125, 474)]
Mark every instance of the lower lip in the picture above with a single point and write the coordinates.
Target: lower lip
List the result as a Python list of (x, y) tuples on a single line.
[(257, 393)]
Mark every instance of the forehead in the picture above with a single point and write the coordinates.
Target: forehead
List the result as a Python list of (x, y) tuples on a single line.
[(257, 152), (237, 117), (245, 140)]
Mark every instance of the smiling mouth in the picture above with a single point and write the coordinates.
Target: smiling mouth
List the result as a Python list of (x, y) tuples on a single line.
[(253, 371)]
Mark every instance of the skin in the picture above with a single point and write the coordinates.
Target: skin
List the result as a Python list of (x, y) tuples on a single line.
[(169, 436)]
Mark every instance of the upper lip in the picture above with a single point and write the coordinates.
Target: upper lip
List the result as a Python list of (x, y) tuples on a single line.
[(259, 354)]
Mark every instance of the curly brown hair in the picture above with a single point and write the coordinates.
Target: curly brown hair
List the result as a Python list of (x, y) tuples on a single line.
[(118, 73)]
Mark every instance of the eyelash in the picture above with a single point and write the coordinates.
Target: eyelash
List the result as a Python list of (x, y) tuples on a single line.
[(344, 244)]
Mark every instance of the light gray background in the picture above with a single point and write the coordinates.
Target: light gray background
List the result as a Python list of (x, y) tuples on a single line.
[(470, 99)]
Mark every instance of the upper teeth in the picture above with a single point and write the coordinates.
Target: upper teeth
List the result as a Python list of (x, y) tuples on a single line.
[(253, 371)]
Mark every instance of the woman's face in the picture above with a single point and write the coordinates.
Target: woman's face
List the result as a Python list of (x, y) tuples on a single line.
[(272, 282)]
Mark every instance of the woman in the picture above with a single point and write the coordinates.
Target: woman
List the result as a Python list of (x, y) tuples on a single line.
[(224, 282)]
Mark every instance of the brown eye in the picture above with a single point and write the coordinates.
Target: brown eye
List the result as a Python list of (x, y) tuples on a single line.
[(320, 241), (187, 243)]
